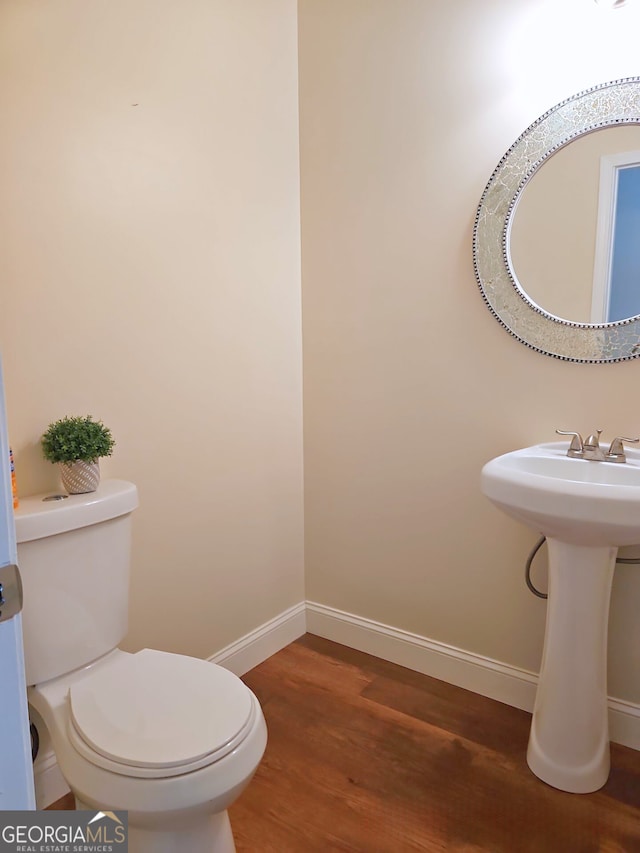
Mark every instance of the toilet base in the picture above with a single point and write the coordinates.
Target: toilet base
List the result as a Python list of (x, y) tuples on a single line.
[(207, 833)]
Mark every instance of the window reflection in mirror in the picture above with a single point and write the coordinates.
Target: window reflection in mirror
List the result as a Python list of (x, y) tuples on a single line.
[(574, 232), (621, 296)]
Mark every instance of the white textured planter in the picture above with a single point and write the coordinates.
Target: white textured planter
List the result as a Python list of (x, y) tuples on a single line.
[(80, 477)]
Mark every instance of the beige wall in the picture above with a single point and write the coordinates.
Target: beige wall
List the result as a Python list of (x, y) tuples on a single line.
[(167, 235), (410, 384), (150, 268)]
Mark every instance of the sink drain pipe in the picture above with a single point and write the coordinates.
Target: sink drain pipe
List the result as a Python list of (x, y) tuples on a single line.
[(633, 561)]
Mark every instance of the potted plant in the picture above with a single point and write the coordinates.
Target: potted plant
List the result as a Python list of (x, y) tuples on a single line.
[(76, 444)]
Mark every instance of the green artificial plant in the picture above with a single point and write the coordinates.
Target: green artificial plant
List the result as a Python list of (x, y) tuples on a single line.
[(77, 439)]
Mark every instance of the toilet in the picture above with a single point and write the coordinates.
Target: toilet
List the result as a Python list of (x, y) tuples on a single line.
[(173, 740)]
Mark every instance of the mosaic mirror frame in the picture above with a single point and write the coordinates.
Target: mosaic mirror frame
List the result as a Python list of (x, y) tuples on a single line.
[(606, 105)]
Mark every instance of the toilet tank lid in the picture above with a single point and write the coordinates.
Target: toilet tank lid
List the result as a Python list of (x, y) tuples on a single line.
[(37, 518)]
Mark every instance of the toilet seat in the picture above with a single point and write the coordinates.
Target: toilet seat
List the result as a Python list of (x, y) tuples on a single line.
[(154, 714)]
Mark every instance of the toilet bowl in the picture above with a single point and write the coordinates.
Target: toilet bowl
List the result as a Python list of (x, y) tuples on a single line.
[(170, 739), (173, 740)]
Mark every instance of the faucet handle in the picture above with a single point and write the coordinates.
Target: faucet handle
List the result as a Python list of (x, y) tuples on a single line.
[(616, 450), (576, 448)]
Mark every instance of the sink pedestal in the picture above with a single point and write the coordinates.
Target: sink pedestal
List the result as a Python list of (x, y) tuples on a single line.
[(569, 740)]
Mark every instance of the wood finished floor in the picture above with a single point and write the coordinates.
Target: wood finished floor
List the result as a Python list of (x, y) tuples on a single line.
[(370, 757)]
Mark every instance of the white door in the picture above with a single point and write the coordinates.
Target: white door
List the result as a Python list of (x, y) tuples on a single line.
[(16, 769)]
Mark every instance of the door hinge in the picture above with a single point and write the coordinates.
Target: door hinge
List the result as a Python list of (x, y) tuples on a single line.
[(10, 592)]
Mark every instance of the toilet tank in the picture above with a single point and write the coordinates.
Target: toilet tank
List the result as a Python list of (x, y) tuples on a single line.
[(74, 556)]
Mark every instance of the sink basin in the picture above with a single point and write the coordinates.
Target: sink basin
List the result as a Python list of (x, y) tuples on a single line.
[(586, 510), (575, 500)]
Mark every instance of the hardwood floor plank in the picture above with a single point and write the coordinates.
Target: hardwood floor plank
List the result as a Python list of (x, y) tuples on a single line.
[(66, 803), (368, 757), (462, 713), (436, 768)]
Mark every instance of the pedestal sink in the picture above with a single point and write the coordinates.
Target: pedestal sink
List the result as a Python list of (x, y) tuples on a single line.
[(586, 510)]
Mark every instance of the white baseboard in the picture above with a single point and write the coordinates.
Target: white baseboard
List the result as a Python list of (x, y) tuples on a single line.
[(488, 677), (624, 722), (258, 645), (50, 784)]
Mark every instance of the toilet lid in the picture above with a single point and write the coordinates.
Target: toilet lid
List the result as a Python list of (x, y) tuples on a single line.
[(158, 710)]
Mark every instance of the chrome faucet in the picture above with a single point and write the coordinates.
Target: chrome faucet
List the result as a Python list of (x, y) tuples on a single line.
[(590, 448)]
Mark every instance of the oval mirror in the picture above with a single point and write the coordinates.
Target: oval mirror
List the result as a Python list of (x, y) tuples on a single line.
[(555, 249)]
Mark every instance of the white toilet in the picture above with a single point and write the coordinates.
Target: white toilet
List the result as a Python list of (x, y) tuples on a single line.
[(171, 739)]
